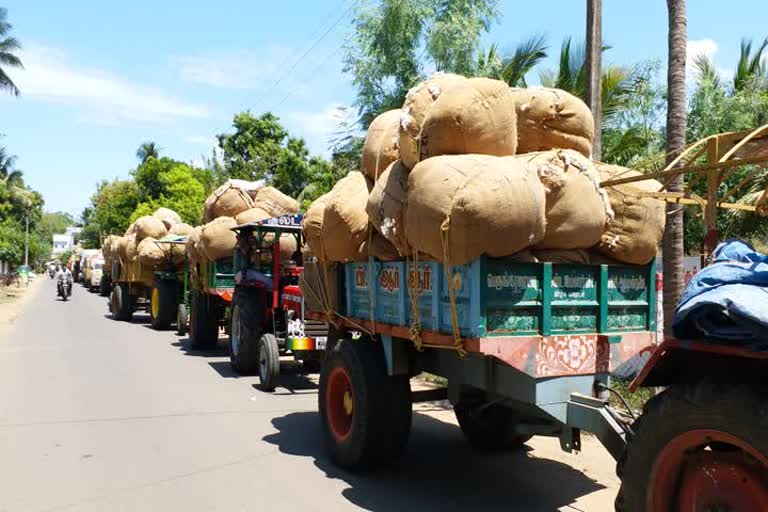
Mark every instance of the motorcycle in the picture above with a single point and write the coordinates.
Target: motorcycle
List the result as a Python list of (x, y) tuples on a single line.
[(64, 287), (51, 273)]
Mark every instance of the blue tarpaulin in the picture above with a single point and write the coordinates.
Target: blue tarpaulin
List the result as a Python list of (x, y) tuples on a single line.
[(727, 302)]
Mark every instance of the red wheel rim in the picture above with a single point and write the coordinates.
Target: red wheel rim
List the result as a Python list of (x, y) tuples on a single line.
[(339, 404), (704, 470)]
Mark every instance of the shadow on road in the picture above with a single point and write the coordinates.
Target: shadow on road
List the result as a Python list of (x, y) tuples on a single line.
[(220, 350), (440, 472)]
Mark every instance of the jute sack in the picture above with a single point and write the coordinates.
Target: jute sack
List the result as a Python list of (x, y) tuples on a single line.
[(109, 246), (227, 201), (386, 203), (252, 215), (312, 225), (552, 118), (131, 248), (275, 202), (319, 285), (634, 234), (381, 140), (118, 248), (345, 223), (577, 208), (149, 253), (417, 102), (131, 229), (250, 187), (476, 116), (180, 229), (378, 247), (217, 240), (476, 204), (169, 217), (149, 226)]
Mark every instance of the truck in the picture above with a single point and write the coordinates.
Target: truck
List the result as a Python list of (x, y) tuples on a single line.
[(528, 349), (208, 287), (267, 319), (137, 287), (94, 272)]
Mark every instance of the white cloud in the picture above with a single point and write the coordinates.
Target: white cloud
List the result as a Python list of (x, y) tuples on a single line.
[(318, 127), (241, 70), (50, 75), (696, 47)]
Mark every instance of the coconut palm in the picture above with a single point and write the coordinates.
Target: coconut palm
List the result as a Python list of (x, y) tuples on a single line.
[(527, 55), (147, 150), (8, 46), (750, 66), (571, 76), (676, 126)]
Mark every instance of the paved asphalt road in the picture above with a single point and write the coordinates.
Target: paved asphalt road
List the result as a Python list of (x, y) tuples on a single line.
[(97, 415)]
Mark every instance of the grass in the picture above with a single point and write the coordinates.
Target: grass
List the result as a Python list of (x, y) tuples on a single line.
[(635, 400)]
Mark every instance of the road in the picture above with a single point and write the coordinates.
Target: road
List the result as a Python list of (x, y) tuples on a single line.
[(101, 415)]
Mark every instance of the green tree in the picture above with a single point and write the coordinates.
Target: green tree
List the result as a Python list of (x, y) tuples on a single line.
[(147, 150), (113, 203), (750, 65), (8, 48), (261, 149), (180, 191)]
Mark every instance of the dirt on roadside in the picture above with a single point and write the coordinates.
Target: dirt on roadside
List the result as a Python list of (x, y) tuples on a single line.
[(12, 300)]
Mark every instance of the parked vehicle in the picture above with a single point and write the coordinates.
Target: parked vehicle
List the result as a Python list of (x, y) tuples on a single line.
[(268, 307), (206, 298)]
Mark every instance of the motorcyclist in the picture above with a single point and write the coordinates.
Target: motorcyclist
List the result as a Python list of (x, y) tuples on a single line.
[(63, 275)]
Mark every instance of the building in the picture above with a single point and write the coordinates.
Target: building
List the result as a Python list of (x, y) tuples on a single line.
[(67, 241)]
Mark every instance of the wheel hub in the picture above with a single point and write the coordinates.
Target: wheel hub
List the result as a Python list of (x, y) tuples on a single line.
[(154, 302), (708, 471), (339, 401)]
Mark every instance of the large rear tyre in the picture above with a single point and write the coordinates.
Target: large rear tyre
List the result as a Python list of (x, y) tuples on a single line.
[(104, 286), (269, 362), (701, 446), (489, 427), (203, 323), (162, 304), (365, 414), (182, 319), (246, 326), (120, 302)]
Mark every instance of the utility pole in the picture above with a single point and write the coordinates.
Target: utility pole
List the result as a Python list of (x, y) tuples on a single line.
[(593, 56), (26, 246)]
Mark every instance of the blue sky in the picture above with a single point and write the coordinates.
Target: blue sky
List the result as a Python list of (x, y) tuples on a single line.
[(102, 77)]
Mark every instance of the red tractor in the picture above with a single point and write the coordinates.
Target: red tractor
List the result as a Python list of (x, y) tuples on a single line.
[(267, 317)]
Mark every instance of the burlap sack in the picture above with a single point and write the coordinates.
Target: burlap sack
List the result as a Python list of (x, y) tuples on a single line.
[(227, 201), (552, 118), (180, 229), (118, 248), (477, 116), (217, 240), (149, 226), (345, 223), (275, 203), (312, 225), (417, 102), (319, 285), (150, 254), (109, 246), (634, 234), (253, 215), (380, 148), (580, 256), (386, 203), (131, 229), (477, 204), (577, 208), (131, 248), (192, 249), (378, 247), (250, 187), (169, 217)]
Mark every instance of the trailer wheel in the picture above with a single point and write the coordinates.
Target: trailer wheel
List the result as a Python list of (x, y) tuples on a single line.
[(104, 286), (203, 323), (245, 331), (269, 361), (701, 446), (162, 304), (365, 414), (182, 317), (489, 427), (121, 303)]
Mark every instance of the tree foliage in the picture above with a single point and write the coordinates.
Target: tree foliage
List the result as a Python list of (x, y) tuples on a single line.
[(147, 150), (9, 47)]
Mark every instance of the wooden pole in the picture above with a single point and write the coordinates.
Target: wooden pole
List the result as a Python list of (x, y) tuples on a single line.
[(593, 56)]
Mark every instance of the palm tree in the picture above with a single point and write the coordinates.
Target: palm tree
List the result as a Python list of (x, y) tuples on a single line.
[(750, 66), (8, 45), (526, 56), (571, 76), (676, 125), (147, 150)]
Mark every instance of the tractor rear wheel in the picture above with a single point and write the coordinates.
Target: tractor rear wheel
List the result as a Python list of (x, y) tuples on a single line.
[(245, 330), (700, 446), (121, 303), (162, 304), (203, 322)]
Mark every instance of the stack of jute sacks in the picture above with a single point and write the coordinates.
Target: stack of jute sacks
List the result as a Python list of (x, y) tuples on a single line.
[(233, 203), (139, 243), (470, 166)]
